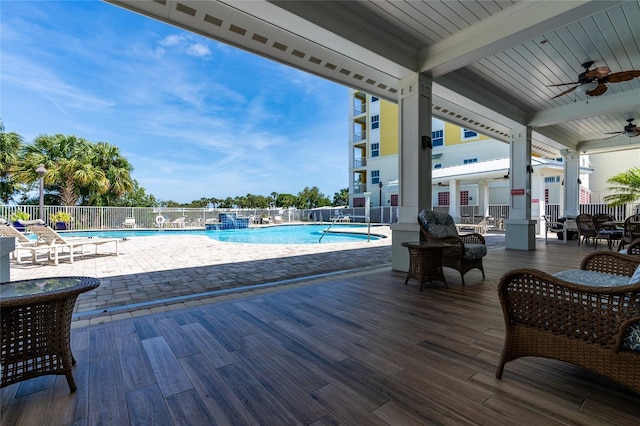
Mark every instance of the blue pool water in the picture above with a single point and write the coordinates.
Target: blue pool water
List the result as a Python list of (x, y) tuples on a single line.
[(286, 234)]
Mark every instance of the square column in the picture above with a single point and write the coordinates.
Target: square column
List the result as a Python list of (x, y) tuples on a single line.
[(520, 229), (7, 245), (414, 164), (571, 195), (454, 200)]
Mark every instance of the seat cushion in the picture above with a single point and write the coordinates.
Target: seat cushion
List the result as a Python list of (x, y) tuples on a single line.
[(632, 337), (592, 278), (635, 278), (474, 251), (437, 224)]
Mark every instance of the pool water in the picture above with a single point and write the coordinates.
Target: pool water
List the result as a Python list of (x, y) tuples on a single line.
[(286, 234)]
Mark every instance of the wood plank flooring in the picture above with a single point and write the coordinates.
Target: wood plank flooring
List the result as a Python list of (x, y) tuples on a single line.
[(359, 349)]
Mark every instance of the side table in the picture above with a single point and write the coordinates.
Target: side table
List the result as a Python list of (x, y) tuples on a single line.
[(425, 261), (35, 322)]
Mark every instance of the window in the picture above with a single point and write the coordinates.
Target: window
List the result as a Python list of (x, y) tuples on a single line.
[(394, 200), (464, 198), (552, 179), (437, 138), (375, 149), (470, 160), (358, 202), (437, 165), (469, 134), (375, 176), (443, 198), (374, 99), (546, 196), (375, 122)]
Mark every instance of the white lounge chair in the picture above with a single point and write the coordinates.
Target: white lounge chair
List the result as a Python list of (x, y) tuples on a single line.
[(22, 241), (129, 222), (54, 245)]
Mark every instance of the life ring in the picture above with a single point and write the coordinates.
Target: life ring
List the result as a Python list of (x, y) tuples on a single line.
[(160, 219)]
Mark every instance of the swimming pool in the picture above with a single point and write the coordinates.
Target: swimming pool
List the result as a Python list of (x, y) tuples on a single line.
[(285, 234)]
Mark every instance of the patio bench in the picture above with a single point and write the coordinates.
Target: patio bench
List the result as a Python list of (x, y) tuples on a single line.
[(588, 317)]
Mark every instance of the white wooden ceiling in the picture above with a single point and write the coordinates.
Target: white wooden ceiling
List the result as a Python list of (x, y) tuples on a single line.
[(491, 60)]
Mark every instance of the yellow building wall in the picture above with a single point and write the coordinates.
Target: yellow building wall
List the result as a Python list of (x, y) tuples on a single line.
[(388, 128), (453, 135)]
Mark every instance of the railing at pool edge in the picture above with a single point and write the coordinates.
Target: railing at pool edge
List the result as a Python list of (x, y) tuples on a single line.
[(340, 216)]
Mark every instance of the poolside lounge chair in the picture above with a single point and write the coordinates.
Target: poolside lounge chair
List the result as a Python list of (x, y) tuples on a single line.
[(180, 222), (54, 245), (22, 241), (129, 222)]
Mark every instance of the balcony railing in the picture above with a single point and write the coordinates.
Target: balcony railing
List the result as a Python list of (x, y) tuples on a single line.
[(359, 109), (359, 162), (359, 136), (359, 188)]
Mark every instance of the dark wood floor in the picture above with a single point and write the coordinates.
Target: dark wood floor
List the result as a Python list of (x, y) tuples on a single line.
[(362, 349)]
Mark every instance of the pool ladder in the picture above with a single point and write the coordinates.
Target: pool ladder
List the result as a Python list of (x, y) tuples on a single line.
[(340, 216)]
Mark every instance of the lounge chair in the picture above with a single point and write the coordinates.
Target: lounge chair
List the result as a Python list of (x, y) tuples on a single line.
[(129, 222), (22, 241), (177, 223), (53, 244)]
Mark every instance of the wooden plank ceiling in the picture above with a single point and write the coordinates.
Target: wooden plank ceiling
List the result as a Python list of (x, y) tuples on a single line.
[(491, 60)]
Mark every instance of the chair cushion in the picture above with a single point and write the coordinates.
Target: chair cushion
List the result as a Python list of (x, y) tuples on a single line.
[(474, 251), (592, 278), (438, 224), (635, 278), (632, 337)]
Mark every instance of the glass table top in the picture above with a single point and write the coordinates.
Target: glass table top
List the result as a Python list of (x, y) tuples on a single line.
[(37, 286)]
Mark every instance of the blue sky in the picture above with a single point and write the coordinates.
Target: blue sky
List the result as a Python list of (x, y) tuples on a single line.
[(196, 118)]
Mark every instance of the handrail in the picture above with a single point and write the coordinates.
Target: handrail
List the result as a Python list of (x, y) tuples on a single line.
[(326, 231)]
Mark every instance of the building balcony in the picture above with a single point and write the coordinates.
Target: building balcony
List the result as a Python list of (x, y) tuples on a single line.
[(359, 188), (359, 162), (359, 136)]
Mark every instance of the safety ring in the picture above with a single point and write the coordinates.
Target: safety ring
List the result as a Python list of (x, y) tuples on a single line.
[(160, 219)]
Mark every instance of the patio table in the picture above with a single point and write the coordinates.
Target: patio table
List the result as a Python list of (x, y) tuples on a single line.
[(425, 261), (35, 317)]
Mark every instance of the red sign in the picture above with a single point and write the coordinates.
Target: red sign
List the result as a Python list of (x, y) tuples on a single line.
[(517, 192)]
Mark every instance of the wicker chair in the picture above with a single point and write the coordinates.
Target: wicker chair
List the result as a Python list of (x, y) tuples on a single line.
[(585, 227), (586, 325), (604, 232), (633, 248), (631, 230), (466, 251)]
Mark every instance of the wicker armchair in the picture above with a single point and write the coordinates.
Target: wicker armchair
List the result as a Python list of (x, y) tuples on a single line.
[(466, 251), (633, 248), (631, 230), (585, 227), (586, 325)]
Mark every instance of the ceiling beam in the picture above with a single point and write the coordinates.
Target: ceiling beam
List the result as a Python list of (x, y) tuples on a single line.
[(594, 106), (619, 143), (514, 25)]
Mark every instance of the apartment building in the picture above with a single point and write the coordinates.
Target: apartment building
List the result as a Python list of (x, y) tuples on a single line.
[(476, 165)]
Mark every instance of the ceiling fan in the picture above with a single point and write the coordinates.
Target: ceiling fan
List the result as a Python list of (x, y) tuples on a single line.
[(504, 177), (594, 82), (630, 130)]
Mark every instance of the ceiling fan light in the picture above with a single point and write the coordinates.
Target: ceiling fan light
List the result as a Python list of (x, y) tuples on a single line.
[(586, 87)]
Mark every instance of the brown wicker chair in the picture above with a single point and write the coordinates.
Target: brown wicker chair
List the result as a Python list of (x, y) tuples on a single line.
[(631, 230), (466, 251), (584, 325), (605, 232), (633, 248), (585, 227)]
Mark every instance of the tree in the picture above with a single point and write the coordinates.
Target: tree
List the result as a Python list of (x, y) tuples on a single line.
[(341, 198), (310, 198), (10, 146), (136, 197), (117, 170), (627, 187)]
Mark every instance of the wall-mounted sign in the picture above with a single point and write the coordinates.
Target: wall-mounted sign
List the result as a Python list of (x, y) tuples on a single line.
[(517, 192)]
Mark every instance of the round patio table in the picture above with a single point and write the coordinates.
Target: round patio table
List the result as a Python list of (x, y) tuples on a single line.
[(35, 318)]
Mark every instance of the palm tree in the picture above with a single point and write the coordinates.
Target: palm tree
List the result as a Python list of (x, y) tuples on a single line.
[(68, 163), (117, 171), (627, 187), (10, 145)]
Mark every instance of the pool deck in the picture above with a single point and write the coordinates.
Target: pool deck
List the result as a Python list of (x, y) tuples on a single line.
[(157, 274)]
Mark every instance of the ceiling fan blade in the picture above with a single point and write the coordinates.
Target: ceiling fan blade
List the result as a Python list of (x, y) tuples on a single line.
[(562, 84), (599, 90), (565, 92), (600, 72), (614, 133), (617, 77)]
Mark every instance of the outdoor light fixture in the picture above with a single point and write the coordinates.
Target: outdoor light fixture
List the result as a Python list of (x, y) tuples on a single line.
[(41, 171), (380, 186)]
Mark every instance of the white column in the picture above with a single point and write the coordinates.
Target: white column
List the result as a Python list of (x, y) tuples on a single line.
[(454, 200), (483, 198), (367, 203), (538, 208), (520, 229), (414, 164), (571, 188)]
